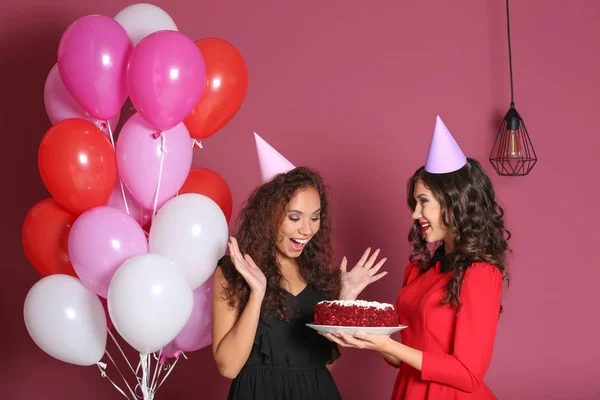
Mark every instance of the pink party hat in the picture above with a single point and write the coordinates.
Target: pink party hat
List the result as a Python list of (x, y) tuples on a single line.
[(271, 162), (444, 154)]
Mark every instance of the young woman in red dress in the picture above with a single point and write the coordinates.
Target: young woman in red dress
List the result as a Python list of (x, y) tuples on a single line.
[(450, 301)]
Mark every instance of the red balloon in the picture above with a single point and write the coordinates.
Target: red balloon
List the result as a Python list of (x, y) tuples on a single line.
[(45, 236), (77, 165), (224, 90), (210, 184)]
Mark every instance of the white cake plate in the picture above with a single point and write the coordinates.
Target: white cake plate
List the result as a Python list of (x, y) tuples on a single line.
[(352, 330)]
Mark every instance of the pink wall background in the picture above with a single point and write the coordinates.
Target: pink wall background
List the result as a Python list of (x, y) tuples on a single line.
[(352, 88)]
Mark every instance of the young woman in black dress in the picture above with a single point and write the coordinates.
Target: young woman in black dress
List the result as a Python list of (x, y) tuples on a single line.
[(279, 267)]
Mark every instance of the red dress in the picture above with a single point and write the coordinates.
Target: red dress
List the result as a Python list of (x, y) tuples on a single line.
[(457, 349)]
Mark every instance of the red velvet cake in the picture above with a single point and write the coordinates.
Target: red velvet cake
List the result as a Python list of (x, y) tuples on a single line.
[(355, 313)]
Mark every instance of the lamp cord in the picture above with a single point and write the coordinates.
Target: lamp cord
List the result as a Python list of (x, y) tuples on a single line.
[(512, 95)]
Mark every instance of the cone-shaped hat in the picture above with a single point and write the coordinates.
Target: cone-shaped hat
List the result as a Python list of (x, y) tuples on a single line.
[(444, 153), (270, 160)]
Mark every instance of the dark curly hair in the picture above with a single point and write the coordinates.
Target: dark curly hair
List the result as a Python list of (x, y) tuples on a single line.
[(473, 216), (257, 235)]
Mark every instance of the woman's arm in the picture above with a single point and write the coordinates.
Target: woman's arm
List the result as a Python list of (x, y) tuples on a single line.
[(392, 351), (330, 366), (402, 353), (392, 360), (233, 337)]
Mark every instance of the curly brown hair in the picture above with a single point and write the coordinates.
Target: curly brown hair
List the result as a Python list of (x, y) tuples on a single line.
[(473, 216), (257, 234)]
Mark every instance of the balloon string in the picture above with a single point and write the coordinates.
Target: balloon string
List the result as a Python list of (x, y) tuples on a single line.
[(155, 369), (170, 369), (120, 373), (122, 353), (163, 151), (112, 141), (160, 366), (102, 367), (146, 391)]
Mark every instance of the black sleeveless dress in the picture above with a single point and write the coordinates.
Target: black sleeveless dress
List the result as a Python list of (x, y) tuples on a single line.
[(288, 359)]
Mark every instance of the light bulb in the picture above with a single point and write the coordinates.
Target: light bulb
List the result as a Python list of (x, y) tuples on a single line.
[(514, 145)]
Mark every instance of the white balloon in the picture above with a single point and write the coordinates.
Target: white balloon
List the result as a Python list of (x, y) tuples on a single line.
[(191, 230), (149, 301), (66, 320), (140, 20)]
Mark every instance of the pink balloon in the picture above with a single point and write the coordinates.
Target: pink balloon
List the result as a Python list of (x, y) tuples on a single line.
[(197, 332), (60, 105), (165, 78), (138, 160), (92, 58), (100, 240), (141, 215)]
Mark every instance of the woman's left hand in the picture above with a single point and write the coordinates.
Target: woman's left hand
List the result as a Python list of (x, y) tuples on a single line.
[(360, 341), (363, 274)]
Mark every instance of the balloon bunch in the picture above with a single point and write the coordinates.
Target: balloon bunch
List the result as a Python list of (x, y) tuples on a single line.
[(132, 233)]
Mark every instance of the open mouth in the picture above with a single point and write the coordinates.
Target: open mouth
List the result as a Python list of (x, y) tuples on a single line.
[(298, 244), (425, 226)]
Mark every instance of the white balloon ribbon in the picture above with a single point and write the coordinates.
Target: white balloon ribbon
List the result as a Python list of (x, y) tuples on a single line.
[(163, 151), (112, 141), (102, 368)]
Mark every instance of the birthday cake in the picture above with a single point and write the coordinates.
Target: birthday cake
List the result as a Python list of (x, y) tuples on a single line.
[(355, 313)]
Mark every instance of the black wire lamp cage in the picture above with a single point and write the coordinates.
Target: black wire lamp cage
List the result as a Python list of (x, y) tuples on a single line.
[(513, 153)]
